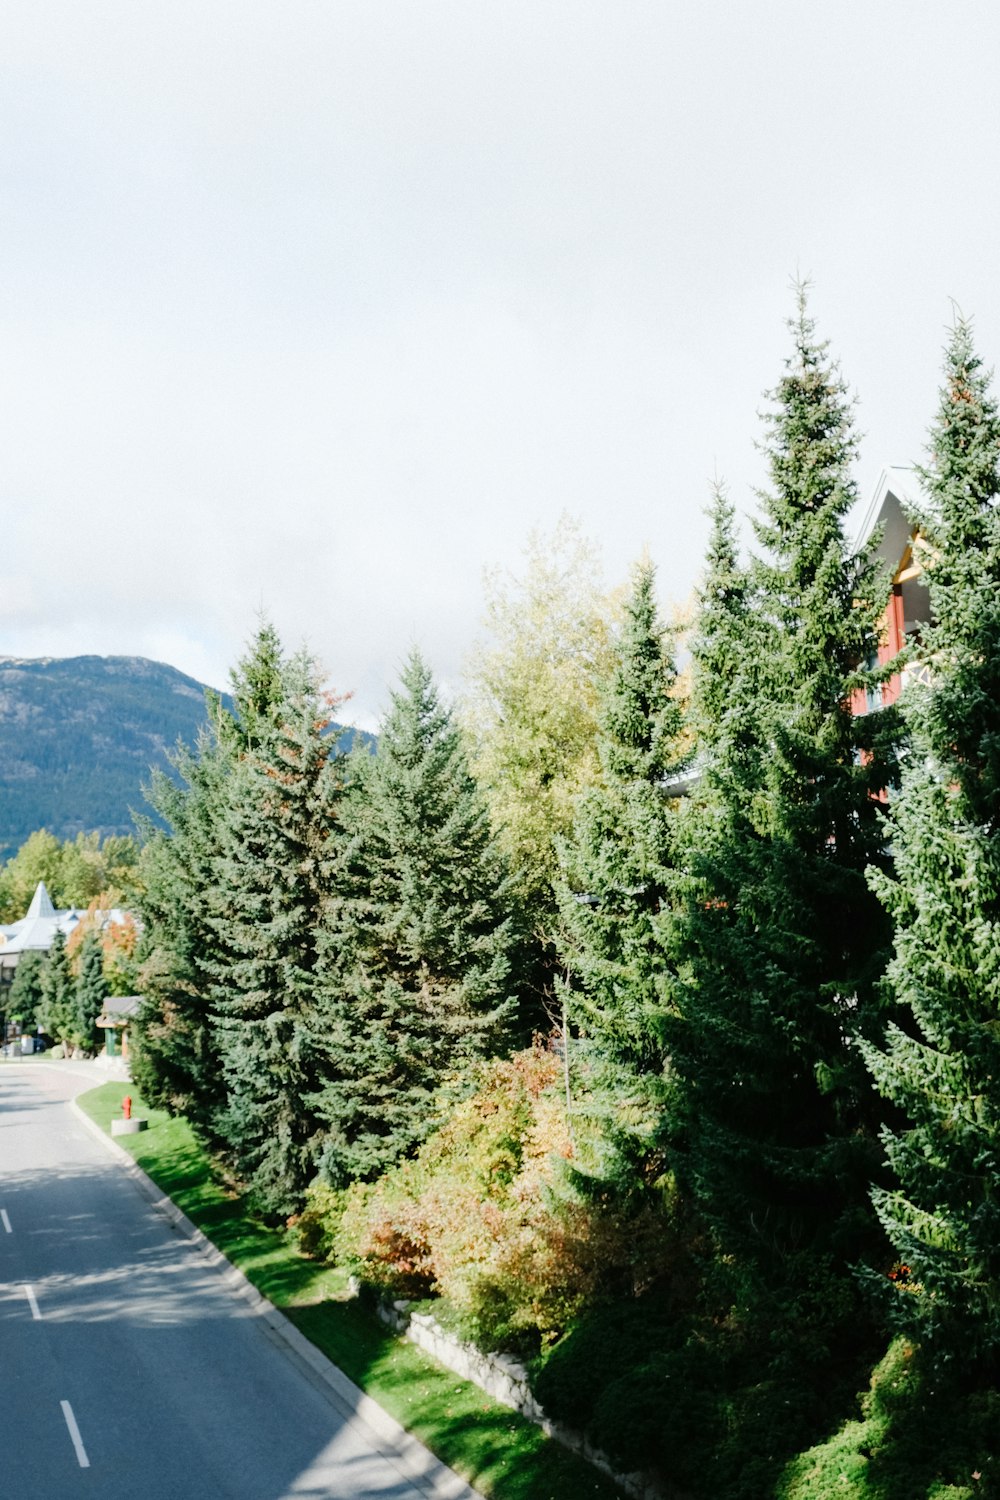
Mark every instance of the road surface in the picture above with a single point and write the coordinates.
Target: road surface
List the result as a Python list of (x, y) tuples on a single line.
[(128, 1369)]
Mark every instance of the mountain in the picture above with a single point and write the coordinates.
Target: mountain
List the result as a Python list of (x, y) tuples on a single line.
[(79, 736)]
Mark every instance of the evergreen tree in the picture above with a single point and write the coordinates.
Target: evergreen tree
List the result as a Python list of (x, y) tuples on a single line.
[(728, 649), (91, 993), (176, 1059), (782, 944), (265, 912), (57, 1011), (418, 937), (943, 1070), (258, 684), (25, 998), (618, 888)]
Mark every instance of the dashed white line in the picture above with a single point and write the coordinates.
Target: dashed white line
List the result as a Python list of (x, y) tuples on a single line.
[(32, 1302), (5, 1221), (74, 1432)]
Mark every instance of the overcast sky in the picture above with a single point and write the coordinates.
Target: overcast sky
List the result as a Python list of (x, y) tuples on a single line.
[(322, 307)]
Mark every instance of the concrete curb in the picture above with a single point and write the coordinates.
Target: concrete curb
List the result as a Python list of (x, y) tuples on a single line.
[(414, 1460)]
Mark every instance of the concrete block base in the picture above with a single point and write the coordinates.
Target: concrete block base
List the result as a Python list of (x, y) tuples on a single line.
[(128, 1127)]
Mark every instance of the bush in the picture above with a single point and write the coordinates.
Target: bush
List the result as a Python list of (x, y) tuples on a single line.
[(315, 1228), (489, 1216), (383, 1235), (606, 1344), (920, 1437)]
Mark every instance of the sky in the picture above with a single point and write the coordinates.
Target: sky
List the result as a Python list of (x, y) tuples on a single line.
[(320, 309)]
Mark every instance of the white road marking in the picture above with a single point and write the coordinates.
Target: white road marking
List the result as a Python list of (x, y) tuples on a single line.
[(32, 1302), (74, 1432), (5, 1221)]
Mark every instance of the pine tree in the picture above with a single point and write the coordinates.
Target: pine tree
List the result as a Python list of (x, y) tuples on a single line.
[(618, 888), (57, 1012), (91, 993), (783, 945), (265, 912), (176, 1060), (728, 650), (258, 683), (25, 998), (418, 937), (942, 1067)]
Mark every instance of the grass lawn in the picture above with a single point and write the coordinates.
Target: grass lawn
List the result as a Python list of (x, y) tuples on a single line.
[(494, 1448)]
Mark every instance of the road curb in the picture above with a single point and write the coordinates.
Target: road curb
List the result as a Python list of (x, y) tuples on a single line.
[(417, 1463)]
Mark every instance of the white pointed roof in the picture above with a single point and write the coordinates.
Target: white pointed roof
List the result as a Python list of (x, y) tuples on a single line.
[(38, 926), (41, 903)]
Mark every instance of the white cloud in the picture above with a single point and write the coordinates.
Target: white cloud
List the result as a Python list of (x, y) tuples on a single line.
[(322, 307)]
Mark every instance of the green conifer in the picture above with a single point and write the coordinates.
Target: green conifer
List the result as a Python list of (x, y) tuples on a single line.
[(617, 888), (265, 912), (942, 1066), (783, 945), (176, 1059), (418, 937), (25, 998), (91, 993), (57, 1011)]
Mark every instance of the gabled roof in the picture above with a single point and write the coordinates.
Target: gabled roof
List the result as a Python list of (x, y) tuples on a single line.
[(119, 1010), (890, 507)]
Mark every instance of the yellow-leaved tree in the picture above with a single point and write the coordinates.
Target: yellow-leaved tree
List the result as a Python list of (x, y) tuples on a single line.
[(532, 702)]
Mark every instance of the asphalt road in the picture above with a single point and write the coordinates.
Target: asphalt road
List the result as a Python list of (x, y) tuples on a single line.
[(128, 1370)]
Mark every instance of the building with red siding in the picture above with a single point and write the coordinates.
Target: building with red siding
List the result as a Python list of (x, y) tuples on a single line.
[(898, 545)]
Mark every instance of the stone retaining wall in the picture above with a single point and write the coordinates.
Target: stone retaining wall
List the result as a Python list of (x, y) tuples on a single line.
[(503, 1378)]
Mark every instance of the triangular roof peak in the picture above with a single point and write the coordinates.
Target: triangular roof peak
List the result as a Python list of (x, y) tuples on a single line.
[(890, 507), (41, 903)]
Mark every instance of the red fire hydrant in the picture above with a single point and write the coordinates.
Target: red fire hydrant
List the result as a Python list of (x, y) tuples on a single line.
[(127, 1106)]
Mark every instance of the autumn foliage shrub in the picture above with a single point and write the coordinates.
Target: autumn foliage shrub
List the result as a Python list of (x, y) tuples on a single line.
[(488, 1217)]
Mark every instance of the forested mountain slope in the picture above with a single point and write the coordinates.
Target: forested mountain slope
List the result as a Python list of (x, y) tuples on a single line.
[(79, 736)]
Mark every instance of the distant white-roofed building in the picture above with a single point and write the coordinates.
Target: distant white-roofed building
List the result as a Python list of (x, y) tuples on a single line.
[(35, 931)]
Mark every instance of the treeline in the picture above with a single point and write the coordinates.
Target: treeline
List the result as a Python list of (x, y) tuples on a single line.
[(750, 1156), (62, 992), (75, 871)]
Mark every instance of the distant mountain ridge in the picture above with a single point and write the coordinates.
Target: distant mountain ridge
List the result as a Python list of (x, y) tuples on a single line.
[(79, 736)]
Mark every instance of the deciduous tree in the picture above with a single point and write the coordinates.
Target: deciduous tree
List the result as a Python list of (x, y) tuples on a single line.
[(533, 703)]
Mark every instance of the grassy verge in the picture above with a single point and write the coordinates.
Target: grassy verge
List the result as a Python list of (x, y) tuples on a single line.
[(496, 1450)]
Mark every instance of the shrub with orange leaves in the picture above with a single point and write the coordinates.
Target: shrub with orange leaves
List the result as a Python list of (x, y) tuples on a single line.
[(119, 937), (492, 1215)]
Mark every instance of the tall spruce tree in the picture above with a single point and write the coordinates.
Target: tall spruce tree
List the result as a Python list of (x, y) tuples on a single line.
[(91, 993), (176, 1060), (416, 980), (617, 888), (783, 945), (728, 651), (26, 991), (943, 1070), (265, 912), (56, 1012)]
